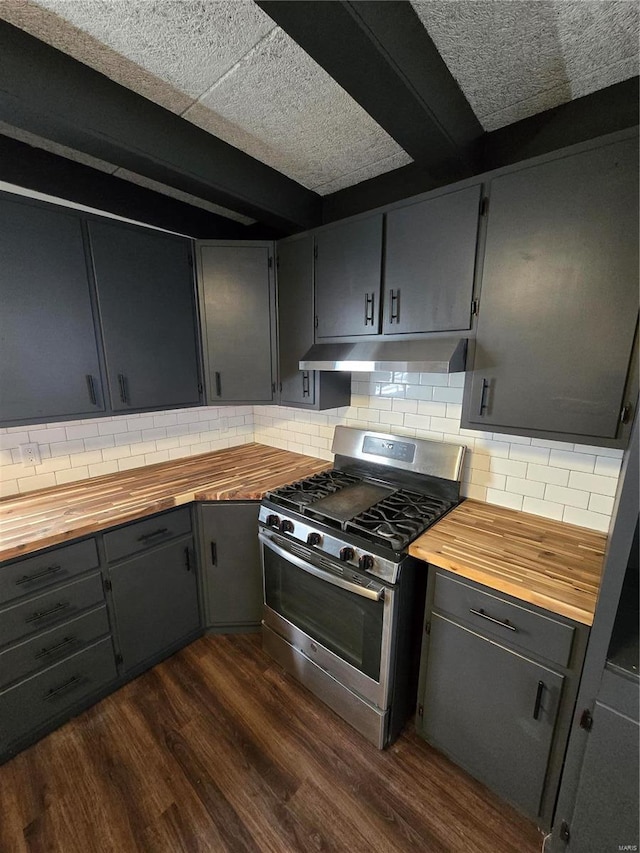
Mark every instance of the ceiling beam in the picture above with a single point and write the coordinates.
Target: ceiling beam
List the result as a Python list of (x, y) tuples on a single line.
[(48, 93), (381, 54)]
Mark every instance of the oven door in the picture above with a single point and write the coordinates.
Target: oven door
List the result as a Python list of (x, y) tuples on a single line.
[(338, 618)]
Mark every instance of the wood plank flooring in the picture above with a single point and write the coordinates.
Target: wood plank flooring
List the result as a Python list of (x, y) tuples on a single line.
[(217, 749)]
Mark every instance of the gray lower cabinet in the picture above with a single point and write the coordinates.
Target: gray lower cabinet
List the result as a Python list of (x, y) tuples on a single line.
[(146, 300), (237, 310), (559, 300), (302, 388), (154, 594), (430, 256), (497, 687), (47, 369), (231, 569)]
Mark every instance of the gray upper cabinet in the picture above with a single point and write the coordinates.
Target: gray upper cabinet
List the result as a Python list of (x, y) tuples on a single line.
[(49, 366), (302, 388), (237, 309), (147, 311), (559, 300), (348, 270), (430, 252)]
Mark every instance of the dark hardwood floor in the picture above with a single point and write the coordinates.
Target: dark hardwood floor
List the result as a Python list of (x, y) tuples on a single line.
[(217, 749)]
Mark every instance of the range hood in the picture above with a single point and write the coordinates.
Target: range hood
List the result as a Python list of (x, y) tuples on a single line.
[(436, 355)]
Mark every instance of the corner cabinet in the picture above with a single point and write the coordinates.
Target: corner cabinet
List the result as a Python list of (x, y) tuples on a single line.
[(301, 388), (559, 300), (146, 300), (497, 688), (49, 362), (237, 312)]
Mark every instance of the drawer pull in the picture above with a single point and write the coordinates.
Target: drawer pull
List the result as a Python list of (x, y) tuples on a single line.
[(538, 702), (42, 614), (52, 570), (187, 559), (483, 615), (160, 532), (73, 682), (214, 553), (45, 652)]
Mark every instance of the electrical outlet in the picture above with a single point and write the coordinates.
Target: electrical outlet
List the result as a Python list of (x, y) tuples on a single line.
[(30, 454)]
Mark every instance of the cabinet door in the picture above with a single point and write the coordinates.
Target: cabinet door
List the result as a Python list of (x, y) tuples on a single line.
[(348, 270), (559, 299), (231, 564), (236, 297), (485, 707), (49, 365), (147, 311), (295, 320), (606, 810), (430, 251), (155, 598)]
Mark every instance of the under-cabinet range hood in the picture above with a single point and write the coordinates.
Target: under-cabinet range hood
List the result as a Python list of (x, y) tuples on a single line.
[(437, 355)]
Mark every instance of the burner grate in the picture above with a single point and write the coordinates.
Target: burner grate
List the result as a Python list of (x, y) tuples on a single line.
[(305, 492)]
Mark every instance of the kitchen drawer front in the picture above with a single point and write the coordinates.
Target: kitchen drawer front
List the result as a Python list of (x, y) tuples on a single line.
[(145, 534), (29, 704), (49, 609), (497, 618), (44, 570), (52, 646)]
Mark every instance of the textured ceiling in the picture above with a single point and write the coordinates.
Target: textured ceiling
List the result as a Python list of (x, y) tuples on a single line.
[(515, 58), (226, 67)]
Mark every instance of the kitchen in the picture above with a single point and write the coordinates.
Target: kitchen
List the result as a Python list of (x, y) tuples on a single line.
[(572, 481)]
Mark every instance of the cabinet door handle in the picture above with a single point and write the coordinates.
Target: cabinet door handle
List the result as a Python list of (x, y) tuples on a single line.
[(369, 303), (45, 652), (218, 381), (187, 559), (394, 313), (483, 615), (91, 387), (124, 391), (214, 553), (52, 570), (73, 682), (483, 397), (538, 702), (160, 532), (42, 614), (305, 383)]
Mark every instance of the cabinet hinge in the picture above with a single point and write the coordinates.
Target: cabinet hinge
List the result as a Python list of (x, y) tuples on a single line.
[(315, 321), (475, 305), (564, 833), (420, 710), (586, 720), (315, 251), (108, 584), (119, 659), (484, 206), (625, 414), (427, 628)]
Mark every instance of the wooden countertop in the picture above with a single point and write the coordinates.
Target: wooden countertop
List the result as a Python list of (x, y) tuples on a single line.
[(548, 563), (51, 516)]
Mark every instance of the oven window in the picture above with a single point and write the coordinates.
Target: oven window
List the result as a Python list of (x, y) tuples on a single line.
[(341, 621)]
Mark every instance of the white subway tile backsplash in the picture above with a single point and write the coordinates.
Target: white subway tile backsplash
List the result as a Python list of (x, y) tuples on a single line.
[(599, 451), (410, 406), (82, 431), (572, 460), (511, 467), (593, 483), (584, 518), (447, 395), (601, 503), (525, 453), (571, 497), (47, 436), (102, 468), (546, 474), (437, 410), (507, 499), (548, 509), (608, 466), (71, 475), (529, 488), (39, 481)]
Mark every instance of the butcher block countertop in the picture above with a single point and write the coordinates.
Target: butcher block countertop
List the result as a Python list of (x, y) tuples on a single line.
[(548, 563), (51, 516)]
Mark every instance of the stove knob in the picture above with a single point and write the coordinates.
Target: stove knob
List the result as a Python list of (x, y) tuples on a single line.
[(273, 520), (314, 539), (346, 554), (286, 526), (366, 562)]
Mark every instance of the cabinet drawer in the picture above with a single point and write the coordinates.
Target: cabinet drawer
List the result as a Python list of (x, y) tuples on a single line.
[(49, 609), (31, 703), (145, 534), (511, 623), (52, 646), (43, 570)]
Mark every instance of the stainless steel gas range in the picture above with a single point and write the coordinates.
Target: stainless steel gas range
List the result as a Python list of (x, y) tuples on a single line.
[(343, 598)]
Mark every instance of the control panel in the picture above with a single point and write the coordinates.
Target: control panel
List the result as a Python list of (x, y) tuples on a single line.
[(403, 451)]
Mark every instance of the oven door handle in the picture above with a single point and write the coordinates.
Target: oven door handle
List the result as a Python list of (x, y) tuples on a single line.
[(374, 592)]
